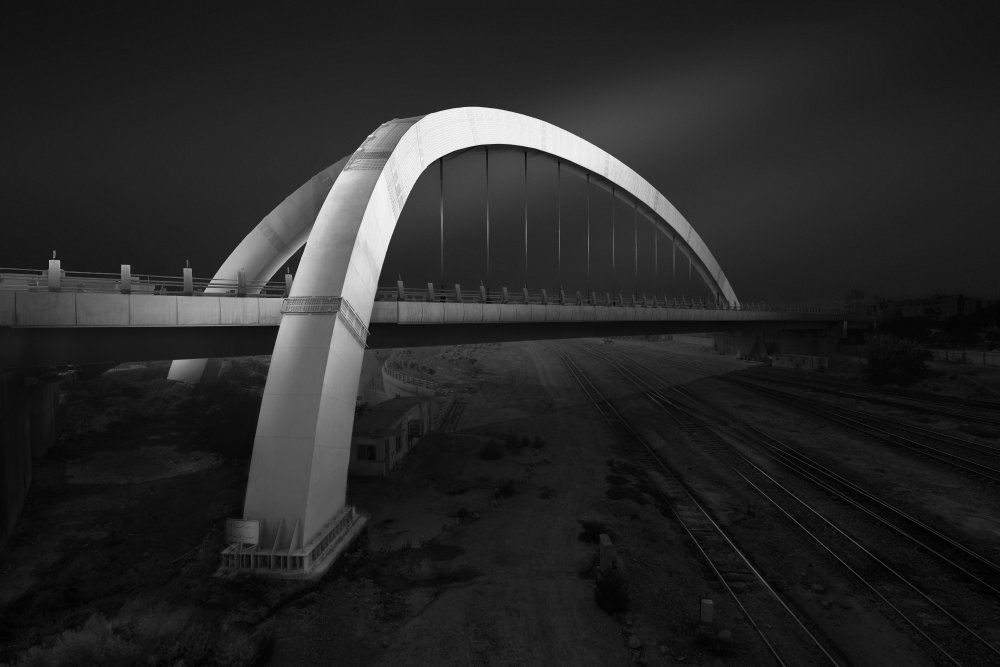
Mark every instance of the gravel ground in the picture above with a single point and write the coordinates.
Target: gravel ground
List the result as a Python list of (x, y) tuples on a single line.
[(478, 561)]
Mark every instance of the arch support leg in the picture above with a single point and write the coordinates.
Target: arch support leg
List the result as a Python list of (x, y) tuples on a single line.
[(298, 472)]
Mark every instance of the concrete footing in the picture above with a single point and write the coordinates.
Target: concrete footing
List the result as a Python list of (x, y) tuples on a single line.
[(310, 561)]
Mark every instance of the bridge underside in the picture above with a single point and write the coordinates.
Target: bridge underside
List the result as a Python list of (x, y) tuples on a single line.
[(38, 348)]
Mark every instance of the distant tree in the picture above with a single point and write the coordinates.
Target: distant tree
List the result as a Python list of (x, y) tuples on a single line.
[(895, 360)]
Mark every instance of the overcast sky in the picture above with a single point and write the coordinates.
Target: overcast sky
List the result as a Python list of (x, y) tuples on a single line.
[(816, 147)]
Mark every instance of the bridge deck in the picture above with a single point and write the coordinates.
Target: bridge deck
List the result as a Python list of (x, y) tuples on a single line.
[(87, 309)]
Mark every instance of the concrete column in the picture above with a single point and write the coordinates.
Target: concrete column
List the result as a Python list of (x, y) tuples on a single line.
[(126, 280), (27, 429), (55, 275), (302, 447)]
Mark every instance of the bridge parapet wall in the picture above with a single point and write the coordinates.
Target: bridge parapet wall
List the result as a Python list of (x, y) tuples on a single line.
[(417, 312), (91, 309)]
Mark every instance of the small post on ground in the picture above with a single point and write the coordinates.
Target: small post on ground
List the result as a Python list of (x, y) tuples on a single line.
[(607, 553), (707, 612)]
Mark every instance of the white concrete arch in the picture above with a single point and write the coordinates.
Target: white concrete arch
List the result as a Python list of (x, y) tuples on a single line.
[(298, 473), (277, 237)]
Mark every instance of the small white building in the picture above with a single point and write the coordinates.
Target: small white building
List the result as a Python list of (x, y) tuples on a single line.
[(385, 433)]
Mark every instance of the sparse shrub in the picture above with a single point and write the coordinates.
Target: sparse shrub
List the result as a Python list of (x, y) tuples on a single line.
[(238, 649), (507, 488), (894, 360), (514, 443), (138, 630), (611, 592), (491, 451)]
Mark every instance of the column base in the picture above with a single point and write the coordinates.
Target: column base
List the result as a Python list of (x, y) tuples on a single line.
[(309, 562)]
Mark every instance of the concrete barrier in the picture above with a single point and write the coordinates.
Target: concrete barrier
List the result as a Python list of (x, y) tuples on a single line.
[(192, 311), (152, 310), (102, 310)]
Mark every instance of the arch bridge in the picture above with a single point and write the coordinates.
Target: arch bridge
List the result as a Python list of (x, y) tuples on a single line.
[(298, 473), (345, 217)]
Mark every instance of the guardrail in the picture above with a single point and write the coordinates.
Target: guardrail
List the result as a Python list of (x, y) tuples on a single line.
[(542, 297), (56, 279), (126, 282), (396, 373)]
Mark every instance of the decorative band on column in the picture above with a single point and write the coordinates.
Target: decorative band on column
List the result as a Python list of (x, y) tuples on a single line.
[(320, 305)]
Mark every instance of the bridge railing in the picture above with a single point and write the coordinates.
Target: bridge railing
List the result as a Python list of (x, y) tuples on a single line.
[(127, 282), (542, 297)]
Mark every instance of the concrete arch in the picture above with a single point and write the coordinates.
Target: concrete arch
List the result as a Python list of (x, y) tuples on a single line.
[(298, 473), (261, 253)]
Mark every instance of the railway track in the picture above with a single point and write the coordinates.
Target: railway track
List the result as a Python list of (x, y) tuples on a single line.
[(937, 625), (976, 459), (742, 581), (960, 409)]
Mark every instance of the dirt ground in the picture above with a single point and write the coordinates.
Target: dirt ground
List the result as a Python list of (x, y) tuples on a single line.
[(467, 559)]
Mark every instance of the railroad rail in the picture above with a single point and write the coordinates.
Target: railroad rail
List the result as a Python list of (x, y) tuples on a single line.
[(730, 565), (882, 429), (946, 406), (684, 408)]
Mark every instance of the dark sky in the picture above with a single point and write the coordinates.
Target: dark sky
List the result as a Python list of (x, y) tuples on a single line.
[(816, 147)]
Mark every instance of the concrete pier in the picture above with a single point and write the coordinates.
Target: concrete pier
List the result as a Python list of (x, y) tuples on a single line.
[(28, 406)]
